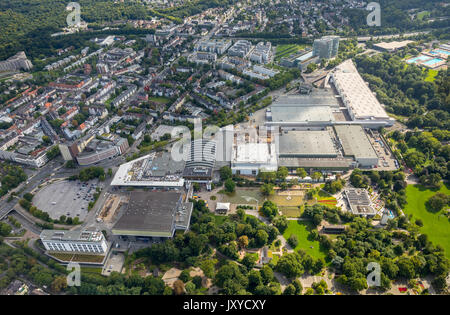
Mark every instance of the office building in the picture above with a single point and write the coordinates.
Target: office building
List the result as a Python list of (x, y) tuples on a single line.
[(83, 241)]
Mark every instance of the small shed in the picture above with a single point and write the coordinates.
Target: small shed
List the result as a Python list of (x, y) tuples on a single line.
[(223, 207)]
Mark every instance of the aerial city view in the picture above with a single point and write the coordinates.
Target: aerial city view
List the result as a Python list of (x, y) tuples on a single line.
[(224, 148)]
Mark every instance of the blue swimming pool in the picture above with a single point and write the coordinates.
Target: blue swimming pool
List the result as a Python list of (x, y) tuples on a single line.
[(417, 59), (440, 51), (432, 61)]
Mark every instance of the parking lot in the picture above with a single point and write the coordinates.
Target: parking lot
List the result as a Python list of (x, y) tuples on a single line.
[(68, 198), (114, 263)]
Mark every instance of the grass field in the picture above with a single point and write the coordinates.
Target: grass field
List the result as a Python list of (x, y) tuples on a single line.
[(302, 230), (157, 99), (431, 75), (291, 212), (435, 225), (422, 14)]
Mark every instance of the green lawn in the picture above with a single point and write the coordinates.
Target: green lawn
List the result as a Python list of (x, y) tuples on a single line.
[(431, 75), (435, 225), (291, 212), (157, 99), (220, 219), (422, 14), (302, 230)]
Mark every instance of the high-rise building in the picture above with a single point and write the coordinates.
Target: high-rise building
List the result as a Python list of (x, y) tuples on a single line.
[(326, 47)]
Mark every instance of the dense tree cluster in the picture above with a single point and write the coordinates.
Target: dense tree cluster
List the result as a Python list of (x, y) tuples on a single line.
[(295, 264), (395, 17), (89, 173), (316, 213), (11, 177), (424, 153), (401, 255)]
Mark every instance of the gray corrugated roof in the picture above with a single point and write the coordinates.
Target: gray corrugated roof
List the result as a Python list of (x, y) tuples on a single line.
[(150, 212)]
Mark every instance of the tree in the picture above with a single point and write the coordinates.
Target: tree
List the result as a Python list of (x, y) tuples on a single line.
[(197, 281), (243, 241), (406, 268), (290, 290), (282, 173), (190, 287), (269, 209), (290, 265), (358, 180), (301, 172), (225, 173), (249, 261), (196, 187), (208, 267), (254, 279), (311, 68), (357, 284), (293, 240), (5, 229), (266, 274), (46, 139), (261, 238), (440, 283), (414, 158), (59, 284), (267, 189), (316, 176), (230, 185), (184, 276), (437, 202), (281, 223), (178, 287)]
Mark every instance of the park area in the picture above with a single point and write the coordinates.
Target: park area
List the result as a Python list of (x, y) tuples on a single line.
[(435, 225), (302, 229), (290, 202)]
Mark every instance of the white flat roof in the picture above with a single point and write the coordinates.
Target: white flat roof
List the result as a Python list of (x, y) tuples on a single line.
[(124, 175), (356, 94), (256, 153)]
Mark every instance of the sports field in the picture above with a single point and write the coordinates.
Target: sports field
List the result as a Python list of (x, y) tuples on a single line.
[(435, 225)]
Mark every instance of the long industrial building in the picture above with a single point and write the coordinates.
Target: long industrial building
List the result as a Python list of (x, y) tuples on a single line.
[(362, 105)]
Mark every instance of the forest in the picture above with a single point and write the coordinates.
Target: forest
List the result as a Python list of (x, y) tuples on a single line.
[(395, 17)]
